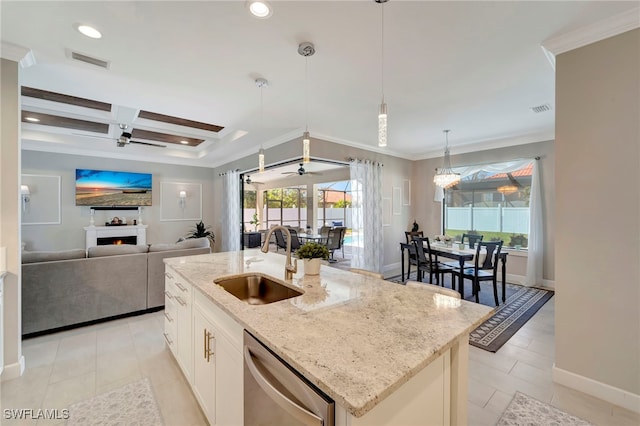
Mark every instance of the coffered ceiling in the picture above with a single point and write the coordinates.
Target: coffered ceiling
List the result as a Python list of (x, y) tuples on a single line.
[(185, 71)]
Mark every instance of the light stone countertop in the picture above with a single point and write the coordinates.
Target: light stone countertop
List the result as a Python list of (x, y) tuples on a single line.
[(356, 337)]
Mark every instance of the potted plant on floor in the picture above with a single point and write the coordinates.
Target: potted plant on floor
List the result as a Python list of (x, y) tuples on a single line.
[(312, 254), (201, 230)]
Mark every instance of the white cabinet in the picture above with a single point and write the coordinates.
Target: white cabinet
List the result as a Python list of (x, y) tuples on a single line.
[(204, 365), (207, 343), (178, 321)]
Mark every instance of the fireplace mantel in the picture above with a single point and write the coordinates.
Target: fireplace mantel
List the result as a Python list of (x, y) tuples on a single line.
[(95, 232)]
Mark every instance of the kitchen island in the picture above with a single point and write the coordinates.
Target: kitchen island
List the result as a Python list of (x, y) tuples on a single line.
[(361, 340)]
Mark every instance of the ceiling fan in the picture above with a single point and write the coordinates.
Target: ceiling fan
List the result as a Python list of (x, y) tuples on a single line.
[(301, 171), (249, 181), (125, 139)]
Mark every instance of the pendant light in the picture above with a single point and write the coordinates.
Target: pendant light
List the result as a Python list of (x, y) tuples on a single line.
[(261, 83), (446, 177), (306, 49), (382, 111)]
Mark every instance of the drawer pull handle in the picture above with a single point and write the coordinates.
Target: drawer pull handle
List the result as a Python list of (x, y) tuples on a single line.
[(166, 337), (168, 294), (168, 275), (180, 286), (168, 317), (180, 301)]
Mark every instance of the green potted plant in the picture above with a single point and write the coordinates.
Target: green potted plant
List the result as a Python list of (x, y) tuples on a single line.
[(312, 254), (201, 230), (254, 221)]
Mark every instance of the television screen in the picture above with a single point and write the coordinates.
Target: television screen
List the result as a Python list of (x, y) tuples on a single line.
[(113, 189)]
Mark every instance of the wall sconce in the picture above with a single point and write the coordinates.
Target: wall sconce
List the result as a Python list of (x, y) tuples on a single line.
[(26, 196), (183, 199)]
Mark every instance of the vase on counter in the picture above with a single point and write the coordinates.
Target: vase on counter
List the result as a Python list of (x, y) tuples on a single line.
[(312, 266)]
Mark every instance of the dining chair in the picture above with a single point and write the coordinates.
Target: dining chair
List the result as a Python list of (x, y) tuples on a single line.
[(434, 288), (472, 239), (295, 241), (367, 273), (344, 232), (428, 262), (485, 267), (280, 241), (410, 235), (410, 248), (334, 241)]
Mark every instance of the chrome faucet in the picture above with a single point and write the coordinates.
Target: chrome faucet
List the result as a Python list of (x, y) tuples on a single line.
[(289, 269)]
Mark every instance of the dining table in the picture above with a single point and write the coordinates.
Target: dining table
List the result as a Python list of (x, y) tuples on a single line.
[(462, 255), (311, 237)]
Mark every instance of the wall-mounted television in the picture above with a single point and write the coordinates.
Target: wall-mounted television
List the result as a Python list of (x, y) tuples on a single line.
[(104, 188)]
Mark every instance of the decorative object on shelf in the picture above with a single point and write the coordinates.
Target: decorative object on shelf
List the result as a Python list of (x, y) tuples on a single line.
[(312, 254), (25, 194), (306, 49), (415, 226), (382, 111), (201, 230), (446, 177)]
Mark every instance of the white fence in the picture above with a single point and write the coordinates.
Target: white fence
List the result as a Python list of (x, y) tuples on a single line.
[(514, 220)]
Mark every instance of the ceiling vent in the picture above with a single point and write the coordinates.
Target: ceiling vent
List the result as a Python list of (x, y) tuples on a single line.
[(88, 59), (541, 108)]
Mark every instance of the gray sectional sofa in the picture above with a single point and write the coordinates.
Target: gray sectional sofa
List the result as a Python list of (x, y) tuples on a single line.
[(68, 288)]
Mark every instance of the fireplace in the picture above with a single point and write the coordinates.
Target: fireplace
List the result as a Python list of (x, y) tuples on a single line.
[(128, 234), (106, 241)]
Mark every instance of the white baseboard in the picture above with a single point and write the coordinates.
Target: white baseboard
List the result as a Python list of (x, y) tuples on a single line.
[(520, 279), (392, 267), (613, 395), (13, 371)]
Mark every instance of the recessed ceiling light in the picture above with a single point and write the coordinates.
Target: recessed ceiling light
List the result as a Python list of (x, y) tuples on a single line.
[(260, 9), (184, 142), (88, 31), (32, 119)]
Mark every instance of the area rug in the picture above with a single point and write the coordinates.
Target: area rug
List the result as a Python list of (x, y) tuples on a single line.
[(132, 404), (524, 410), (521, 304)]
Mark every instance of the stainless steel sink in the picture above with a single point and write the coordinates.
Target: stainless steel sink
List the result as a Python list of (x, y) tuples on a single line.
[(257, 289)]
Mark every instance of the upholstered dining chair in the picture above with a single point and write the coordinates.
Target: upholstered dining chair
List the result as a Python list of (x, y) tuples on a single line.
[(485, 267), (433, 288), (428, 262)]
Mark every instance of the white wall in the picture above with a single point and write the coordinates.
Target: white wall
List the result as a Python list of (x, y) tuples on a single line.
[(598, 216), (70, 233)]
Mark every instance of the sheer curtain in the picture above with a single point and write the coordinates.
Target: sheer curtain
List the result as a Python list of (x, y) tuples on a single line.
[(536, 226), (366, 209), (230, 232)]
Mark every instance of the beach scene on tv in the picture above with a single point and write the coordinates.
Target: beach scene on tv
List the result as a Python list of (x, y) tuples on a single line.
[(110, 188)]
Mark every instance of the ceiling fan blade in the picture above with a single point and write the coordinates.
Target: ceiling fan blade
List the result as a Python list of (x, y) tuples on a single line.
[(148, 143), (92, 136)]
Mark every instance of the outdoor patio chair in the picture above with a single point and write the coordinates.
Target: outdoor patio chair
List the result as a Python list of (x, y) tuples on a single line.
[(334, 241)]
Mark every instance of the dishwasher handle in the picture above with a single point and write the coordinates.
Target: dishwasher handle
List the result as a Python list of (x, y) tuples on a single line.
[(300, 413)]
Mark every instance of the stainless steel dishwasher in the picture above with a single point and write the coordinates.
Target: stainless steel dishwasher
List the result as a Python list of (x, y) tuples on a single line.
[(276, 394)]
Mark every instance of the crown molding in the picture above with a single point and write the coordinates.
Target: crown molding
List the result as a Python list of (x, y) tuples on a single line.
[(16, 53), (617, 24)]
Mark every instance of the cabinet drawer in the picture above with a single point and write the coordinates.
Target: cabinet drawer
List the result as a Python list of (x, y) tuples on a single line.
[(170, 325), (178, 285)]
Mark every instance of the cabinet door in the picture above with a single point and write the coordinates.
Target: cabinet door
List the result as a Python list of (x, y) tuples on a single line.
[(204, 365), (229, 383)]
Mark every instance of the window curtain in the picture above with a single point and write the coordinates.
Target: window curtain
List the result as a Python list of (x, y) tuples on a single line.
[(536, 231), (366, 220), (230, 231), (535, 255)]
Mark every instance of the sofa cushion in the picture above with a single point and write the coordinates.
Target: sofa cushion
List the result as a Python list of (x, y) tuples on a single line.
[(50, 256), (186, 244), (115, 250)]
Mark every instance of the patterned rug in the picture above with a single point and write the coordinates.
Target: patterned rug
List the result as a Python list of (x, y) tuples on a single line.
[(132, 404), (521, 304), (524, 410)]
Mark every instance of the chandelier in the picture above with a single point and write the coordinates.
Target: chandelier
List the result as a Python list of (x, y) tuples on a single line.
[(445, 177)]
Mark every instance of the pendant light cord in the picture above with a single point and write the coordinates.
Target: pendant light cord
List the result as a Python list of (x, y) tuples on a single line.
[(382, 52), (306, 93)]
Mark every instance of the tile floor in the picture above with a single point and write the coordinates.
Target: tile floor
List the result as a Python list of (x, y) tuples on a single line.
[(71, 366)]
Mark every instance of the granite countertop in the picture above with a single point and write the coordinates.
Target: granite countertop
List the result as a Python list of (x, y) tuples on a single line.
[(357, 338)]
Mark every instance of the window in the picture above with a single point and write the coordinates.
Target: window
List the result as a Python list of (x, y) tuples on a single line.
[(492, 200), (286, 206)]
